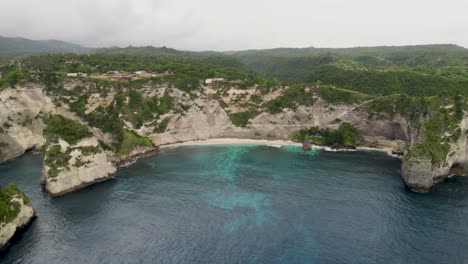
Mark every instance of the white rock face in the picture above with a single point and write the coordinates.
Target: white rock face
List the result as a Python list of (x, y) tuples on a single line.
[(24, 216), (206, 119), (20, 120), (421, 174), (196, 124), (94, 168)]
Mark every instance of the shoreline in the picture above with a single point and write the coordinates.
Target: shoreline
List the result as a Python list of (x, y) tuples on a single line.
[(231, 141), (266, 142)]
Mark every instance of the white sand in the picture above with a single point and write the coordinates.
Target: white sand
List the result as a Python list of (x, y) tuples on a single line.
[(223, 141), (273, 143)]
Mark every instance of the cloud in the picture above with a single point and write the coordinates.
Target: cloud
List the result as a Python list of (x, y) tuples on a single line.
[(241, 24)]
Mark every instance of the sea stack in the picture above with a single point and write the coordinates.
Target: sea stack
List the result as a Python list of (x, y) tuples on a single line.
[(306, 144), (18, 213)]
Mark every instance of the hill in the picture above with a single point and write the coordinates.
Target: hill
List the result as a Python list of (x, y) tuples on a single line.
[(417, 55), (415, 70), (10, 47)]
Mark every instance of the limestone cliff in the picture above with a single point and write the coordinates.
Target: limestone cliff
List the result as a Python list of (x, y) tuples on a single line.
[(422, 171), (18, 213), (21, 122), (206, 118), (210, 112), (396, 131), (71, 167)]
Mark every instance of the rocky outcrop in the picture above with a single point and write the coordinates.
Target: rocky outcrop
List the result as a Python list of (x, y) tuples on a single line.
[(138, 152), (421, 172), (306, 144), (25, 214), (21, 125), (85, 164)]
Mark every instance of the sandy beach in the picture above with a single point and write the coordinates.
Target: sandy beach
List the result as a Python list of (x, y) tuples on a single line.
[(275, 143), (222, 141)]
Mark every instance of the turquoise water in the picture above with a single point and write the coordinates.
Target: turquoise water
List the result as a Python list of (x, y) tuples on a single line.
[(245, 204)]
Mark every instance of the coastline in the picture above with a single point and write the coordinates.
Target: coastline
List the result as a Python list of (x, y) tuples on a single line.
[(231, 141), (273, 143)]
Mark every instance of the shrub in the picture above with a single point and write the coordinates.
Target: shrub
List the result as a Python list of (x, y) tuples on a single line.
[(9, 209), (241, 119), (161, 127), (345, 136), (130, 141), (67, 129)]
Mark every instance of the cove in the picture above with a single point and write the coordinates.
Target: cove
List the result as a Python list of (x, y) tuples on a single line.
[(244, 204)]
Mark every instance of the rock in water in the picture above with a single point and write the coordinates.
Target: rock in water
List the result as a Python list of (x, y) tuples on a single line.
[(18, 213), (68, 168), (306, 144)]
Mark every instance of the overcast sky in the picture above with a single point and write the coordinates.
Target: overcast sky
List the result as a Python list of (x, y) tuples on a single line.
[(238, 24)]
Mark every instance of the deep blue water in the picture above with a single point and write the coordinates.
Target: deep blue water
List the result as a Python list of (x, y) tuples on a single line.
[(245, 204)]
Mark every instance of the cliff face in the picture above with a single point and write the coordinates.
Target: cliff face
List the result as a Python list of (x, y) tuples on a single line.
[(21, 123), (397, 133), (203, 115), (19, 210), (207, 119), (421, 172), (80, 165)]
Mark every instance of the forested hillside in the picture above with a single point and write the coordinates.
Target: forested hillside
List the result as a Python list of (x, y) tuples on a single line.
[(413, 70), (11, 47), (422, 70)]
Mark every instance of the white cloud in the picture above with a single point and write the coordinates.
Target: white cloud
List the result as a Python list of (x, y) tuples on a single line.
[(241, 24)]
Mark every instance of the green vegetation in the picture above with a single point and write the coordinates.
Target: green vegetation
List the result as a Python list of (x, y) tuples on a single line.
[(414, 82), (56, 160), (138, 110), (413, 70), (183, 71), (411, 107), (241, 119), (130, 141), (345, 136), (80, 163), (67, 129), (162, 126), (438, 117), (293, 97), (11, 77), (337, 95), (165, 103), (440, 129), (22, 46), (9, 209)]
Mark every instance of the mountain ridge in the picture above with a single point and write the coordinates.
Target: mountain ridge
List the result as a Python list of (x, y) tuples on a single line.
[(14, 46)]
